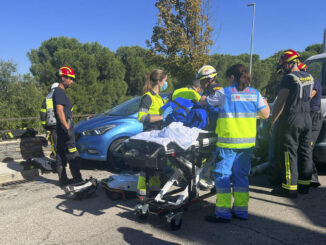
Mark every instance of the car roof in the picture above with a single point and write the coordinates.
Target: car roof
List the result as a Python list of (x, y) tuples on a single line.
[(317, 57)]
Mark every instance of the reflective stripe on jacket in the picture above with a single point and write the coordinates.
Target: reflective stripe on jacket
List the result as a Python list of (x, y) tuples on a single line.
[(236, 123), (47, 112), (299, 97)]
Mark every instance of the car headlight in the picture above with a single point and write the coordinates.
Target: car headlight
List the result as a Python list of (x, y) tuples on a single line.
[(97, 131)]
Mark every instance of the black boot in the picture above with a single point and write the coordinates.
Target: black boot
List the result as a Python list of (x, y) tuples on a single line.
[(281, 192), (63, 179), (76, 175), (303, 189)]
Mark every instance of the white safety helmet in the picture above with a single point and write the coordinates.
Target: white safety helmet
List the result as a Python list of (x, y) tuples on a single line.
[(54, 85), (206, 71)]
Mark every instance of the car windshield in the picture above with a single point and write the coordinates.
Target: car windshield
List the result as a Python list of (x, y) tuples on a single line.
[(315, 68), (127, 108)]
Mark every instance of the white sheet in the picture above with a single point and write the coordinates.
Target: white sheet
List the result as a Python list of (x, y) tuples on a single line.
[(175, 132)]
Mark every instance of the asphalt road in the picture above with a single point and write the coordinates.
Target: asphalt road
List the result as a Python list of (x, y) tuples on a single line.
[(37, 212)]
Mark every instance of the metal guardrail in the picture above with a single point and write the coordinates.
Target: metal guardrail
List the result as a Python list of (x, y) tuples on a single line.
[(18, 119), (29, 118), (9, 130)]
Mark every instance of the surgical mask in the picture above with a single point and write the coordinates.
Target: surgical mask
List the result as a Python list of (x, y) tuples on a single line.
[(164, 87)]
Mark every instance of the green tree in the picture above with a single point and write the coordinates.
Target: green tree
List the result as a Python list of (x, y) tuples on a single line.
[(21, 97), (260, 73), (7, 75), (99, 73), (137, 63), (182, 37)]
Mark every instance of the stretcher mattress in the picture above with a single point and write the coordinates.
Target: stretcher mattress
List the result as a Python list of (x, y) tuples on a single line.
[(149, 155)]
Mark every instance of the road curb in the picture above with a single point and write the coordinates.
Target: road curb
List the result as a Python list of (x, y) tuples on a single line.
[(12, 172)]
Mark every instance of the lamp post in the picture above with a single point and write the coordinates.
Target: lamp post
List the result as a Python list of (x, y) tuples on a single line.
[(252, 34)]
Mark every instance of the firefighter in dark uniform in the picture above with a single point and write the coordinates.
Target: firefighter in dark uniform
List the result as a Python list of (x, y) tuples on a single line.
[(292, 107), (317, 121), (66, 146)]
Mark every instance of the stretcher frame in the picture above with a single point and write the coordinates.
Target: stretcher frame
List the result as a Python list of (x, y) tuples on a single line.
[(188, 169)]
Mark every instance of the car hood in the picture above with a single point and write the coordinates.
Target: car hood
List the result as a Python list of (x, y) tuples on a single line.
[(102, 120)]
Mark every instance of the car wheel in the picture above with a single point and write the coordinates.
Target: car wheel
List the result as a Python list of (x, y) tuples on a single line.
[(116, 163)]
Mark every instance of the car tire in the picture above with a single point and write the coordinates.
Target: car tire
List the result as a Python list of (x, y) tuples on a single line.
[(116, 163)]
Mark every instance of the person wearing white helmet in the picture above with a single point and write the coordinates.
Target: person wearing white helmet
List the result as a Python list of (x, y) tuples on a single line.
[(48, 119), (207, 76)]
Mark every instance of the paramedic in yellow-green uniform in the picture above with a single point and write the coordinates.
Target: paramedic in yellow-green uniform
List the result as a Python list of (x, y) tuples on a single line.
[(152, 117)]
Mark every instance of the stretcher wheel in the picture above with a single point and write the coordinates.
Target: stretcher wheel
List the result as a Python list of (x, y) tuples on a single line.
[(140, 214), (176, 225)]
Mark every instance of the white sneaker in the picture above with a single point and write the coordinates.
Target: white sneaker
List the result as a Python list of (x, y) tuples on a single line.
[(205, 185)]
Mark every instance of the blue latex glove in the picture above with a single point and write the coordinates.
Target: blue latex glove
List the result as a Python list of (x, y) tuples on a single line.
[(167, 112)]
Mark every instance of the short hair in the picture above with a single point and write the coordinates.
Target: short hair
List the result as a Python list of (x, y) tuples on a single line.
[(196, 83)]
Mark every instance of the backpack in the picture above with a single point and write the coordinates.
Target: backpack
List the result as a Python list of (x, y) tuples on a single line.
[(45, 164), (197, 117), (47, 112), (81, 190), (20, 133), (189, 112), (181, 108)]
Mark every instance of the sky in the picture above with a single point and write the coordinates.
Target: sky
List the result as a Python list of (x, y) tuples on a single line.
[(279, 25)]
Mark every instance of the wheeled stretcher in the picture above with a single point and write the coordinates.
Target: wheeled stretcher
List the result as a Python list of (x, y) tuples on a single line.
[(181, 189)]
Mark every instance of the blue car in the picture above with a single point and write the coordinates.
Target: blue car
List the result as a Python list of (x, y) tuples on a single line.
[(98, 137)]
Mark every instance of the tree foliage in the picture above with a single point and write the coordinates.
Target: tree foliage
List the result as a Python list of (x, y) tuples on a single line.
[(20, 96), (272, 85), (137, 62), (99, 73), (182, 37), (105, 79)]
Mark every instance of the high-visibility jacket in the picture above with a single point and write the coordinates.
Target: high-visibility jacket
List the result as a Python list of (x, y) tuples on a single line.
[(47, 115), (150, 105), (236, 123), (186, 93)]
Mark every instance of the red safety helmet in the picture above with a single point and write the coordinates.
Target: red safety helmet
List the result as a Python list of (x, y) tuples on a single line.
[(302, 66), (289, 56), (66, 71)]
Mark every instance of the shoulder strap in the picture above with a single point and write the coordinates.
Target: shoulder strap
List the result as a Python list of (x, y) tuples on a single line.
[(50, 95), (179, 106), (297, 79)]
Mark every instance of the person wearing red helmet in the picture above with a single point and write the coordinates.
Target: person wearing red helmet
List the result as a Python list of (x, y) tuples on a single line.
[(66, 146), (302, 66), (292, 108), (317, 121)]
